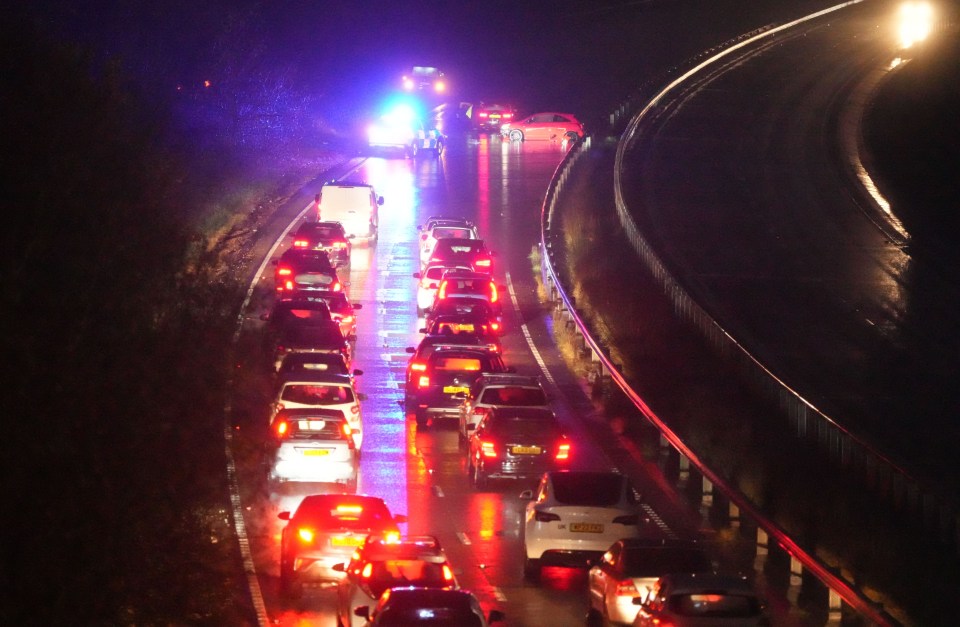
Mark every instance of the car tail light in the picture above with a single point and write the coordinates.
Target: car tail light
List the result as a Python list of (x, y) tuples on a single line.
[(340, 245), (423, 381), (480, 412), (630, 519), (495, 325), (367, 571), (349, 510), (354, 409), (346, 320), (288, 285), (488, 448), (442, 291), (482, 263), (626, 588), (662, 622), (493, 292), (300, 243), (337, 287), (391, 537), (447, 573), (544, 516), (563, 451), (418, 366), (507, 116), (306, 535), (484, 114), (282, 428), (284, 271)]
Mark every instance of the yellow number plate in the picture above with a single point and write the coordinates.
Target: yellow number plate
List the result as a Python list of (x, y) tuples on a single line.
[(525, 450), (453, 389), (346, 540), (586, 527), (315, 452)]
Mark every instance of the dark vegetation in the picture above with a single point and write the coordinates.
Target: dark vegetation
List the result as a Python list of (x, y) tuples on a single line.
[(115, 507)]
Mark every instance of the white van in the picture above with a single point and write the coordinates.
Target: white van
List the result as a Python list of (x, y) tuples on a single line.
[(354, 205)]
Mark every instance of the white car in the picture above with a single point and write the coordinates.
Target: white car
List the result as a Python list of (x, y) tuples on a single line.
[(428, 280), (630, 568), (575, 516), (702, 600), (314, 445), (308, 389), (444, 228), (499, 390)]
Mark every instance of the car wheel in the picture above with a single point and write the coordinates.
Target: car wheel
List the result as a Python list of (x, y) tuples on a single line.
[(290, 587), (439, 149), (516, 136), (461, 441), (421, 419), (572, 137), (594, 618), (531, 569)]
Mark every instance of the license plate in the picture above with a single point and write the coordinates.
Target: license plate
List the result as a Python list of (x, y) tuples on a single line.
[(453, 389), (525, 450), (346, 540), (315, 452), (586, 527)]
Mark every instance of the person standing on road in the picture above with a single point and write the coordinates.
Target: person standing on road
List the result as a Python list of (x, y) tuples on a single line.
[(315, 206)]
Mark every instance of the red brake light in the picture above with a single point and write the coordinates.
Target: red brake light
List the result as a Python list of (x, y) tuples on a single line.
[(493, 292), (563, 451), (367, 570), (507, 116), (484, 114), (346, 319), (442, 291), (306, 535), (339, 244), (337, 287), (300, 243), (488, 448), (418, 366), (284, 271), (288, 285), (447, 573), (423, 382), (482, 263), (282, 428), (495, 326)]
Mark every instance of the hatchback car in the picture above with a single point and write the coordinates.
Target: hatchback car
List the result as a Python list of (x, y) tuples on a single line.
[(381, 563), (428, 280), (463, 284), (329, 237), (343, 312), (429, 607), (499, 390), (324, 531), (459, 305), (575, 516), (490, 117), (318, 337), (453, 251), (313, 445), (305, 273), (329, 363), (549, 126), (630, 568), (456, 229), (303, 390), (458, 325), (516, 443), (701, 600), (435, 381)]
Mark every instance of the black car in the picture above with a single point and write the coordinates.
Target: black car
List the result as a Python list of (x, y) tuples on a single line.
[(322, 337), (516, 443), (461, 306), (302, 274), (436, 383), (329, 237)]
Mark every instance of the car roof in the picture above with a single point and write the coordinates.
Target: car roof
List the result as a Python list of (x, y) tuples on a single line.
[(509, 379), (323, 501), (309, 412), (415, 596), (698, 582), (313, 376), (346, 184)]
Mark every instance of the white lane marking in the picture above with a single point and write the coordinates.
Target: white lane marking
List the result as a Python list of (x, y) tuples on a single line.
[(499, 595), (667, 531), (527, 336), (463, 538)]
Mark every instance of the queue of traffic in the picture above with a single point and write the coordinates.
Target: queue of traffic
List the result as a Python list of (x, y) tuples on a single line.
[(506, 431)]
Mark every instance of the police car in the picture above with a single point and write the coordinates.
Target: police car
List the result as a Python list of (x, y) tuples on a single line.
[(403, 131)]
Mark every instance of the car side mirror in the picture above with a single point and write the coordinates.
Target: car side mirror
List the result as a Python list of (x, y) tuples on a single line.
[(340, 568), (416, 275), (423, 330), (526, 495), (496, 616), (400, 518), (362, 611), (471, 427), (380, 200), (284, 515), (357, 372), (358, 306), (410, 350), (361, 396), (351, 236)]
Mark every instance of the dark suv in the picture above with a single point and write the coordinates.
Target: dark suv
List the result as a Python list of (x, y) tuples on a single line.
[(436, 383), (516, 443), (305, 274), (329, 237)]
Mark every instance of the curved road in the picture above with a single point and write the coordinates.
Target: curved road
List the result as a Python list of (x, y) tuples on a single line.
[(741, 185)]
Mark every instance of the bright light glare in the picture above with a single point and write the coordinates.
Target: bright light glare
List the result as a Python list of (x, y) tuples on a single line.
[(915, 21)]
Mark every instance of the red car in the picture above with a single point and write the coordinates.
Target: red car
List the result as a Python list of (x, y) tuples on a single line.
[(544, 127)]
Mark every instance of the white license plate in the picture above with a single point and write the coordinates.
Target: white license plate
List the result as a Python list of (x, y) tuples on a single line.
[(586, 527)]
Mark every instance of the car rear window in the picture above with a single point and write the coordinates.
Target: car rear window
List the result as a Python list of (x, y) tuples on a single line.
[(435, 272), (527, 428), (447, 231), (316, 279), (513, 396), (404, 572), (316, 428), (345, 514), (657, 561), (590, 489), (715, 604), (465, 364), (316, 394), (321, 231)]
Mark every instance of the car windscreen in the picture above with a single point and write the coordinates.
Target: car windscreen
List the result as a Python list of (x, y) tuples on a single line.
[(316, 394), (331, 363), (714, 604), (465, 363), (514, 396), (657, 561), (590, 489)]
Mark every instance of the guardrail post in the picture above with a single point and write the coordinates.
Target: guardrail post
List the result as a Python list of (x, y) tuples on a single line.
[(796, 580), (834, 609), (706, 497), (763, 549), (733, 515), (684, 469)]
